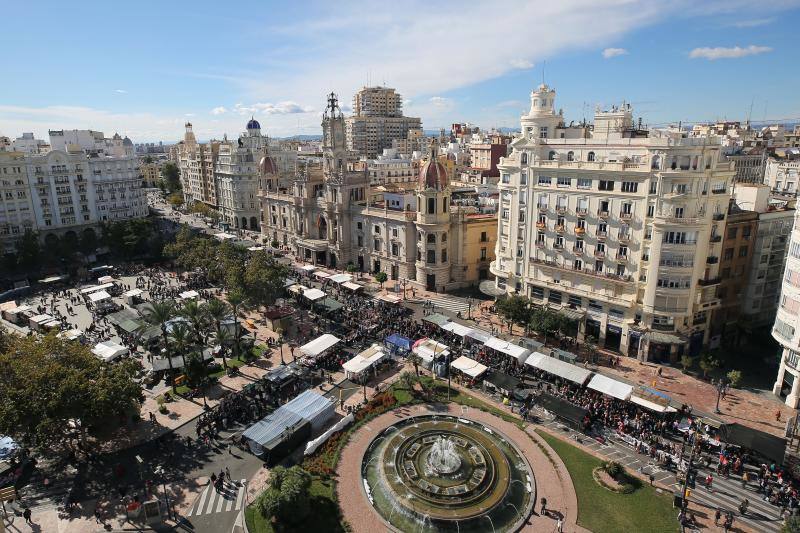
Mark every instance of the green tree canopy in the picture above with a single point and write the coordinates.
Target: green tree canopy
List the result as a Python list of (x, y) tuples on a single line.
[(381, 278), (171, 174), (287, 500), (264, 278), (514, 309), (54, 391)]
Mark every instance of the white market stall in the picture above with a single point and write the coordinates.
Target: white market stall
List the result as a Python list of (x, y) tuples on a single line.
[(132, 296), (479, 335), (517, 352), (99, 296), (105, 279), (319, 345), (162, 363), (70, 334), (38, 321), (313, 294), (349, 285), (459, 329), (468, 366), (298, 289), (652, 406), (340, 278), (224, 236), (109, 350), (559, 368), (189, 295), (429, 349), (321, 274), (388, 298), (95, 288), (308, 268), (361, 362), (610, 387)]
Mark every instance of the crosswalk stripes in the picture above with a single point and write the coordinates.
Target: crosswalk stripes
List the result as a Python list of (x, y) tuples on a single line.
[(210, 501), (453, 304)]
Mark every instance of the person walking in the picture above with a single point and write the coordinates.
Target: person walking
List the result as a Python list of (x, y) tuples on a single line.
[(26, 514), (717, 516), (543, 501), (560, 525)]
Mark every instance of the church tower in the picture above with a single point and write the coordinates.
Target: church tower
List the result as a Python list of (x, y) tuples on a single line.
[(433, 223)]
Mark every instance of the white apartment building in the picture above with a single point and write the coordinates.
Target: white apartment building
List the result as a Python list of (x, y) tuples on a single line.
[(196, 163), (787, 324), (782, 173), (377, 121), (615, 226), (391, 167), (236, 174), (28, 144), (16, 209)]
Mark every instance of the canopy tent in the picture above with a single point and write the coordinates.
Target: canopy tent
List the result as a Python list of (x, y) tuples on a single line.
[(255, 248), (517, 352), (340, 278), (331, 304), (95, 288), (558, 368), (39, 320), (459, 329), (99, 296), (189, 295), (133, 293), (109, 350), (765, 444), (313, 294), (129, 326), (288, 282), (320, 274), (224, 236), (610, 387), (52, 324), (436, 318), (428, 349), (105, 279), (469, 366), (298, 289), (399, 342), (651, 405), (161, 363), (364, 360), (319, 345), (562, 409), (352, 286), (388, 298), (502, 381), (70, 334), (478, 335), (308, 268), (53, 279)]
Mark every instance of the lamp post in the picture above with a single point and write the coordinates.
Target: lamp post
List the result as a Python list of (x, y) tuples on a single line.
[(721, 386), (280, 341), (159, 471), (469, 307)]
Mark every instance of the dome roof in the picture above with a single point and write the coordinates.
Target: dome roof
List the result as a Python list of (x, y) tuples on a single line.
[(267, 166), (253, 124), (433, 175), (127, 142)]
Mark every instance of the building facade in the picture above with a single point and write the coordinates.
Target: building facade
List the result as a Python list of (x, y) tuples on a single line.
[(324, 215), (616, 226), (377, 121), (391, 167), (786, 329), (16, 207), (196, 163), (237, 178), (151, 173)]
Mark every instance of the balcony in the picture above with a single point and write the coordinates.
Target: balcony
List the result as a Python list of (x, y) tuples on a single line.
[(586, 271), (561, 209), (716, 238), (624, 237), (540, 244), (580, 231), (599, 254), (558, 246), (542, 208), (626, 216), (602, 214), (622, 258), (577, 250), (581, 211), (719, 191), (601, 234), (541, 225), (718, 216), (560, 229), (712, 260)]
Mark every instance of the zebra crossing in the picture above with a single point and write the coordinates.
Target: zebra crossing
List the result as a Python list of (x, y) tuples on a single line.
[(231, 498), (726, 493), (454, 304)]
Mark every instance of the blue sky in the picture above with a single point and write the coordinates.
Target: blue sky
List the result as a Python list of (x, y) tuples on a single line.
[(144, 68)]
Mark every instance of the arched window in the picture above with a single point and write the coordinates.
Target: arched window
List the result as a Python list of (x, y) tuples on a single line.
[(570, 156), (431, 238), (444, 237), (552, 155), (590, 157), (524, 158), (656, 163)]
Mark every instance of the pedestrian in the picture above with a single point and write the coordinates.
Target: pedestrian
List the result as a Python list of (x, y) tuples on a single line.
[(213, 479), (745, 479), (543, 501), (26, 514), (709, 481), (717, 516), (560, 525), (778, 415), (227, 473)]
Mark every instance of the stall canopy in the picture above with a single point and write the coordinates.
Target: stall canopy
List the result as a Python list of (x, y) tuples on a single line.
[(427, 349), (651, 405), (162, 363), (321, 274), (351, 286), (459, 329), (224, 236), (105, 279), (364, 360), (95, 288), (517, 352), (189, 295), (319, 345), (133, 292), (479, 335), (469, 366), (436, 318), (765, 444), (404, 343), (314, 294), (53, 279), (562, 408), (308, 268), (99, 296), (341, 278), (331, 304), (109, 350), (298, 289), (558, 368), (610, 387), (502, 381), (70, 334), (388, 298)]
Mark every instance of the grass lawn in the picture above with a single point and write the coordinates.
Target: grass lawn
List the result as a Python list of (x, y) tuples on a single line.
[(323, 517), (601, 510)]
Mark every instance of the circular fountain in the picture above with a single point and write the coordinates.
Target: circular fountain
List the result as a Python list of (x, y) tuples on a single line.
[(442, 473)]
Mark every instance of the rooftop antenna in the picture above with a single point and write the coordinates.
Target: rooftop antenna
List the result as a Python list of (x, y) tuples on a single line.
[(750, 113)]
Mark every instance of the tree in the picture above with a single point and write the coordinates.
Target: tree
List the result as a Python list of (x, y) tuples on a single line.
[(53, 391), (415, 360), (381, 278), (551, 322), (708, 363), (158, 314), (264, 278), (590, 344), (287, 499), (686, 362), (175, 199), (236, 299), (735, 378), (170, 173), (791, 525), (407, 380), (192, 312), (515, 309), (216, 311), (29, 251), (181, 341), (223, 337)]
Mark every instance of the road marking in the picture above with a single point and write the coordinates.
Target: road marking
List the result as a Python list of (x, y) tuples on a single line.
[(210, 506), (240, 496), (222, 500)]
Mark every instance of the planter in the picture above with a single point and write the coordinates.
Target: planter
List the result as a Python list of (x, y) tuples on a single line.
[(622, 485)]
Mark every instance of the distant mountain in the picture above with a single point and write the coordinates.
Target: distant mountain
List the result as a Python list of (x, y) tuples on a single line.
[(302, 138)]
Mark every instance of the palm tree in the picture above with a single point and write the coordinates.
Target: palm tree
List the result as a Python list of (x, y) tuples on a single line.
[(236, 299), (415, 360), (216, 311), (223, 338), (192, 311), (181, 340), (159, 314)]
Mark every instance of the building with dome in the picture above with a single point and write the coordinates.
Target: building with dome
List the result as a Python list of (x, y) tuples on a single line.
[(236, 175), (617, 226), (330, 215)]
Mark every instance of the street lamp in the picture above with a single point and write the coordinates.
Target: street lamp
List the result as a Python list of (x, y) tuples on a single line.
[(159, 471), (469, 307), (280, 341), (721, 386)]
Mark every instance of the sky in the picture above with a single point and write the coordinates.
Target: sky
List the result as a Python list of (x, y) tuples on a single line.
[(145, 68)]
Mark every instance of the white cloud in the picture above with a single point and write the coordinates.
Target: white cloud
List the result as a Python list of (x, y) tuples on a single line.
[(521, 64), (614, 52), (440, 101), (121, 91), (281, 108), (753, 23), (219, 111), (721, 52), (188, 114)]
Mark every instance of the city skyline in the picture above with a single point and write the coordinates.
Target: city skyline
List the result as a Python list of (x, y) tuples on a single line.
[(674, 62)]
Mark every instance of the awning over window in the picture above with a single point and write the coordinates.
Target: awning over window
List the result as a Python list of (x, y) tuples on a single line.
[(469, 366), (551, 365), (610, 387)]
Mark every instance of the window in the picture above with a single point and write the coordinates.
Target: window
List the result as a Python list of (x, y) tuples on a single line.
[(505, 213), (543, 132), (743, 251), (523, 178), (651, 209), (579, 244), (431, 259), (395, 249), (606, 185), (431, 238), (630, 186), (554, 297), (444, 256), (551, 156), (524, 158), (431, 206), (444, 205), (590, 156), (732, 232), (377, 229), (483, 254), (559, 241), (572, 300), (545, 180), (746, 232), (505, 178), (537, 292), (623, 251), (570, 156), (564, 181), (484, 237), (584, 183), (680, 237), (653, 187), (621, 270), (678, 212), (394, 232), (444, 237), (783, 329), (728, 254)]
